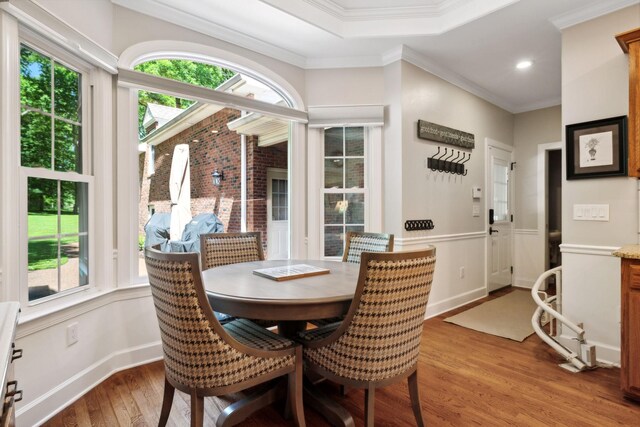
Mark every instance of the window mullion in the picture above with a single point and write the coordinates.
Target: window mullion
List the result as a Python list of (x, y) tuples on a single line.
[(53, 115), (59, 221)]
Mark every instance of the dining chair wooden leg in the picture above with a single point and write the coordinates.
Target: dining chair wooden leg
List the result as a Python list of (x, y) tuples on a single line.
[(167, 400), (295, 391), (197, 409), (369, 405), (414, 393)]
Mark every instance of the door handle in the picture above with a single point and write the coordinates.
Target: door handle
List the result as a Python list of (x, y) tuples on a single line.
[(491, 230)]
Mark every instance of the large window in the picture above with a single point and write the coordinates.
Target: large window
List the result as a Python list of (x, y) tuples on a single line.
[(53, 165), (344, 186)]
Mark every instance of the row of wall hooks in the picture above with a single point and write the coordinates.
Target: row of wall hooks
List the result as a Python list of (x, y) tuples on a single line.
[(447, 163)]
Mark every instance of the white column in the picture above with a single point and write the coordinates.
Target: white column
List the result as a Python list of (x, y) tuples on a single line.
[(10, 244)]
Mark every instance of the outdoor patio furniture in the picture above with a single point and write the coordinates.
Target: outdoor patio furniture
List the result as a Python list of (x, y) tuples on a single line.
[(157, 230), (204, 223)]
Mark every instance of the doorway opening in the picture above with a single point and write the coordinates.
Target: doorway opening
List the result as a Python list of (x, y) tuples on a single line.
[(554, 209)]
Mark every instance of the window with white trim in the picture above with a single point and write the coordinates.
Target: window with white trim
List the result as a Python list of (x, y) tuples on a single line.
[(55, 178), (344, 190)]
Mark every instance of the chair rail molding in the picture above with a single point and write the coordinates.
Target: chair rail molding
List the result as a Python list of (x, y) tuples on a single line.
[(588, 249), (411, 242)]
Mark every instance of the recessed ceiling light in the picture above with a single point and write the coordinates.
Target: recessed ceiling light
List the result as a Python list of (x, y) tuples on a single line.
[(524, 64)]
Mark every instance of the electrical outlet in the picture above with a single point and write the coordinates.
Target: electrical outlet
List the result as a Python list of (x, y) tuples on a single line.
[(72, 334), (462, 272)]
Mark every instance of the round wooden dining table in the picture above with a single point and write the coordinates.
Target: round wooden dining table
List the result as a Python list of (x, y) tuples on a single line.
[(234, 289)]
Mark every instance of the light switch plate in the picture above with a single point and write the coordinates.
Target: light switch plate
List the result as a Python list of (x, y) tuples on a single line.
[(591, 212), (476, 210)]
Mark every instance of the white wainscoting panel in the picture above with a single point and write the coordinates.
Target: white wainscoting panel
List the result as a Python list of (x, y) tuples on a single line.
[(591, 295), (528, 262), (118, 332), (453, 253)]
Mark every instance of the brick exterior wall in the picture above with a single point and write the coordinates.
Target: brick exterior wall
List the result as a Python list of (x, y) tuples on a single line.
[(213, 150)]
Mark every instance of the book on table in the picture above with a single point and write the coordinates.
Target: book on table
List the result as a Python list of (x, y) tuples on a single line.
[(288, 272)]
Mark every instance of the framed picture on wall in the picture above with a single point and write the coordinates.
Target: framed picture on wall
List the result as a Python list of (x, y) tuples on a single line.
[(597, 149)]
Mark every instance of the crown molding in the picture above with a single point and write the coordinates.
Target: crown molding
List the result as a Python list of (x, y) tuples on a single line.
[(344, 62), (198, 24), (400, 12), (567, 20), (349, 23), (552, 102), (421, 61)]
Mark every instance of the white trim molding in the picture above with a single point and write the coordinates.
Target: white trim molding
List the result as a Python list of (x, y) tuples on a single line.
[(137, 80), (30, 324), (456, 301), (174, 49), (38, 19), (346, 115), (413, 242), (39, 410), (9, 154), (526, 231), (590, 12), (588, 250)]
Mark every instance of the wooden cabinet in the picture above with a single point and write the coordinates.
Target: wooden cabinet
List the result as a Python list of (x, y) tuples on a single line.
[(10, 393), (630, 43), (630, 357)]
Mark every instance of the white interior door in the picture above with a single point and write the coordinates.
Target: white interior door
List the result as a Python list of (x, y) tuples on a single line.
[(500, 220), (277, 214)]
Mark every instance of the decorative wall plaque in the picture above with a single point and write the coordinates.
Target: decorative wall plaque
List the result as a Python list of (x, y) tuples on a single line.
[(438, 133)]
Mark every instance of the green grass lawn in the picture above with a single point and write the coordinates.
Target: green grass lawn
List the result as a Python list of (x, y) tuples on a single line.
[(43, 253)]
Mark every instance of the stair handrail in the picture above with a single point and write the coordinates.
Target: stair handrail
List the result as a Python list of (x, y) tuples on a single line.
[(543, 306)]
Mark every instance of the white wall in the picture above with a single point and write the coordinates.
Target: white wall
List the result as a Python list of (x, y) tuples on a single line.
[(595, 86), (531, 130), (446, 199), (116, 330), (345, 86), (95, 22)]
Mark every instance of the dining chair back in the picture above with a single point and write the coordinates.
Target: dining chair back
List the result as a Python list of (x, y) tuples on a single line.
[(378, 342), (358, 242), (218, 249), (204, 358)]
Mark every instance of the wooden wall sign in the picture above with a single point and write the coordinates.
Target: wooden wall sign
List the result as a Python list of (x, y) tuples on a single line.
[(438, 133)]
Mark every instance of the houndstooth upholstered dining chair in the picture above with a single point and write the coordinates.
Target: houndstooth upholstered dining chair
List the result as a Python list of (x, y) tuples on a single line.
[(204, 358), (356, 243), (217, 249), (378, 343)]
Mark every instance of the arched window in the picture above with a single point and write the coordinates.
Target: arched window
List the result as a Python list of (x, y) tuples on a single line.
[(196, 141)]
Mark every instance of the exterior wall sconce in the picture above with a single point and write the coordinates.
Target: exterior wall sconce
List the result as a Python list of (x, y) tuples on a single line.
[(217, 177)]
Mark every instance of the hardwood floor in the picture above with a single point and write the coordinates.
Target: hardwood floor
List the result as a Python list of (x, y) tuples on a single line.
[(466, 378)]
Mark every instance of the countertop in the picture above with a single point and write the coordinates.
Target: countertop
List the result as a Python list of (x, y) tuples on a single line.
[(628, 251)]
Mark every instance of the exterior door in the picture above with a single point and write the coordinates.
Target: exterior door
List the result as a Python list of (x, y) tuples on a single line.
[(500, 220), (277, 214)]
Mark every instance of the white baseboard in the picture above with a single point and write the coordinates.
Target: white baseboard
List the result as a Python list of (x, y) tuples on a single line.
[(53, 401), (520, 282), (454, 302)]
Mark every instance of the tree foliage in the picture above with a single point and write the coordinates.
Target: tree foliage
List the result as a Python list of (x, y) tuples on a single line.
[(195, 73), (50, 123)]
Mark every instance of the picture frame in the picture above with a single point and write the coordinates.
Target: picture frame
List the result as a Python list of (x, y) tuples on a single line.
[(597, 149)]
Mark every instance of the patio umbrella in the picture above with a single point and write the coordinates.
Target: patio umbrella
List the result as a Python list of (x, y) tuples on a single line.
[(180, 191)]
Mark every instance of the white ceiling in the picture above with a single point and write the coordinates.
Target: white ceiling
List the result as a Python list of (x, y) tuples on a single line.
[(474, 44)]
